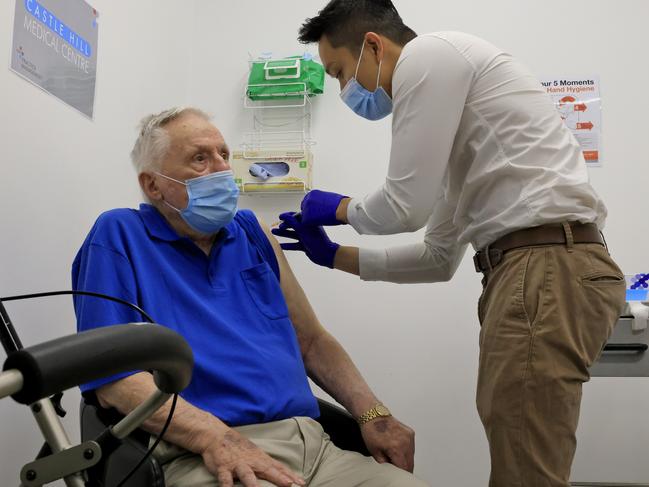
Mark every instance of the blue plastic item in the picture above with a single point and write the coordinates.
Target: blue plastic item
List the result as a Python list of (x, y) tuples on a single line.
[(267, 170)]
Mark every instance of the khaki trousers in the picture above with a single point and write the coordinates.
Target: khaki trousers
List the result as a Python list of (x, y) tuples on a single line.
[(545, 313), (300, 444)]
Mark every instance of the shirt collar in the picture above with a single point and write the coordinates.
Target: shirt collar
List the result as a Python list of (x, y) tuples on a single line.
[(158, 227)]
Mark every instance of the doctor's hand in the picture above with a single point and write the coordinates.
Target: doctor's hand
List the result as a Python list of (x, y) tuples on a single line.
[(390, 441), (313, 241), (230, 456), (321, 208)]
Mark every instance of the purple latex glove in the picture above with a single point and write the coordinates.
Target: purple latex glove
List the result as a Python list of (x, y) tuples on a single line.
[(313, 241), (319, 208)]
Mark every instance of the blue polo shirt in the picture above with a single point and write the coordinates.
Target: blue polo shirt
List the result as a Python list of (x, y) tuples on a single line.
[(229, 307)]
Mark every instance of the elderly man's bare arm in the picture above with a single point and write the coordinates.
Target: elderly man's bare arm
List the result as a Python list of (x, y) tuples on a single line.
[(328, 365), (227, 454)]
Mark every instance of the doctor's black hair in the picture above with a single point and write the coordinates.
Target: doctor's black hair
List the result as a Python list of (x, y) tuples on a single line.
[(345, 23)]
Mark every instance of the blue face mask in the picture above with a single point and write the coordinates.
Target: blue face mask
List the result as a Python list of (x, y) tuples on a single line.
[(372, 105), (212, 201)]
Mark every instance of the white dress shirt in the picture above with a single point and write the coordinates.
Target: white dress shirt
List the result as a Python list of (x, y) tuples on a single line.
[(478, 151)]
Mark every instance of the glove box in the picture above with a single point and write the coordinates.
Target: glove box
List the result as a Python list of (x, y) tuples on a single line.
[(273, 171)]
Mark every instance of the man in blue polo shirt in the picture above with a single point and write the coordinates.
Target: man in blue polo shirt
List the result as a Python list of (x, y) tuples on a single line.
[(220, 279)]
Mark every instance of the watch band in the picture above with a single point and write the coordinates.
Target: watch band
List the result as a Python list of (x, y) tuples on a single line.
[(378, 411)]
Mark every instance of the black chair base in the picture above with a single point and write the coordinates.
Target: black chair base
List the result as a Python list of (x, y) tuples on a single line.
[(94, 420)]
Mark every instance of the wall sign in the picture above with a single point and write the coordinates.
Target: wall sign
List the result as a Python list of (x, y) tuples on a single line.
[(55, 47), (580, 106)]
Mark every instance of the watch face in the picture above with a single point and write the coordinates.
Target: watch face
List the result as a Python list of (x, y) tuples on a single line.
[(382, 410)]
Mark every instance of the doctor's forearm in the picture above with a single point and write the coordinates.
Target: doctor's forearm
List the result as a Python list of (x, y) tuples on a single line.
[(329, 366), (347, 260)]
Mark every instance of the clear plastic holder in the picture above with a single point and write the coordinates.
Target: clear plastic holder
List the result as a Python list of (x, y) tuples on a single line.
[(280, 68), (281, 131)]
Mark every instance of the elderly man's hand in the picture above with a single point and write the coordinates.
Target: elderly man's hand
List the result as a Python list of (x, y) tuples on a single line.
[(390, 441), (232, 456)]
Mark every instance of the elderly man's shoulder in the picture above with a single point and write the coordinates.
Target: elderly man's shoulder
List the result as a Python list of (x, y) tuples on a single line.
[(246, 215), (115, 224), (117, 217)]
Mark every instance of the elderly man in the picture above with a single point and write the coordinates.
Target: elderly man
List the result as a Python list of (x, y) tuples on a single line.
[(220, 279)]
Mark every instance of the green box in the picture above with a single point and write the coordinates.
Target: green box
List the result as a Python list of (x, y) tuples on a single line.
[(288, 78)]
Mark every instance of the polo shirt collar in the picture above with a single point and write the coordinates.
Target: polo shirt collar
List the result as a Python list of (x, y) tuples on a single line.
[(158, 227)]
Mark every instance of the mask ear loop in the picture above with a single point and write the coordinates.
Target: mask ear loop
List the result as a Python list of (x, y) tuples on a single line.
[(170, 205), (163, 199), (358, 64), (378, 76), (171, 179)]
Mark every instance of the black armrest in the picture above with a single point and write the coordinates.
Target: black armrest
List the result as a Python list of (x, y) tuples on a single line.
[(343, 429)]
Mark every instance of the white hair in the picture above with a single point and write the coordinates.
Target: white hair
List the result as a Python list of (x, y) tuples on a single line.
[(153, 141)]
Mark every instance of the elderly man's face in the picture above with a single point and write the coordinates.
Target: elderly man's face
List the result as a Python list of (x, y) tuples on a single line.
[(196, 148)]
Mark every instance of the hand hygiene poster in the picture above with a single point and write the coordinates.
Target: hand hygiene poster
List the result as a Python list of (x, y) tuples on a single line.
[(580, 106), (55, 47)]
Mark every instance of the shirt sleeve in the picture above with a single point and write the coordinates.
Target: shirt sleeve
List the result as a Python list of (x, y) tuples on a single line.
[(431, 83), (436, 259), (103, 270)]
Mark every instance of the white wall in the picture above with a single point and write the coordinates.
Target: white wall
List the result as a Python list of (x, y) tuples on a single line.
[(60, 170), (417, 345)]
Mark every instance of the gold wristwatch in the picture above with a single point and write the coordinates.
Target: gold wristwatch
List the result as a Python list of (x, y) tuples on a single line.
[(378, 411)]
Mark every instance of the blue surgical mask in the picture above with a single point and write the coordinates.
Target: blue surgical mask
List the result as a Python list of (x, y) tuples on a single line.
[(372, 105), (212, 201)]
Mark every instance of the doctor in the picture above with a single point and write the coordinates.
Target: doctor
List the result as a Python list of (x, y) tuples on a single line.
[(479, 155)]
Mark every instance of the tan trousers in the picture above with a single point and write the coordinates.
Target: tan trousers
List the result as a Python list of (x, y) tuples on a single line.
[(300, 444), (545, 313)]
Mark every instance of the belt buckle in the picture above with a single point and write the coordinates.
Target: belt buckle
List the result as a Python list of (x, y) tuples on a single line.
[(493, 258)]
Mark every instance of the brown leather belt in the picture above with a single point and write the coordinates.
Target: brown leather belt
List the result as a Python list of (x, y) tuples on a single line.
[(551, 234)]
